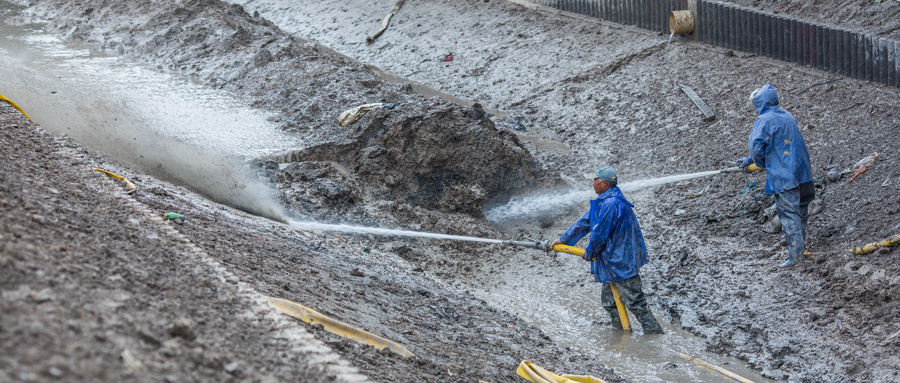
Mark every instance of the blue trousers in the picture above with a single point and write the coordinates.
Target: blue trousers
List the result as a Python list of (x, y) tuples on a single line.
[(792, 206)]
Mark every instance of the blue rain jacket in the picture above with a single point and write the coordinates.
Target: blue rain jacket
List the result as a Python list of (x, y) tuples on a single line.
[(616, 243), (777, 145)]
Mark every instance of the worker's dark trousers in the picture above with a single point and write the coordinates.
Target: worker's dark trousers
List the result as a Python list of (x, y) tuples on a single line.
[(633, 298), (792, 206)]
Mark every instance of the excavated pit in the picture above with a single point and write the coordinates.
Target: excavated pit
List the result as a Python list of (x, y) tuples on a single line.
[(432, 165)]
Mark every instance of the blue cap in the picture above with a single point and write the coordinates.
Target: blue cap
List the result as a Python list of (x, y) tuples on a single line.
[(605, 173)]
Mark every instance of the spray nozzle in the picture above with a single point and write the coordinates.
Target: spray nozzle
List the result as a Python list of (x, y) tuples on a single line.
[(532, 243)]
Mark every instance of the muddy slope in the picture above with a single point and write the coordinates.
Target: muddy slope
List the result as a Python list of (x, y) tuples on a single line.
[(876, 18), (94, 290)]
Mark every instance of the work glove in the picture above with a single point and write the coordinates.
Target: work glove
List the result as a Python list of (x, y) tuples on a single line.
[(743, 163)]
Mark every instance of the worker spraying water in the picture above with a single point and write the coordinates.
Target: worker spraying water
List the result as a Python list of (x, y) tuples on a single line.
[(615, 250)]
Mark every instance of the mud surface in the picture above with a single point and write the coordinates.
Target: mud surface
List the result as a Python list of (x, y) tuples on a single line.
[(604, 95)]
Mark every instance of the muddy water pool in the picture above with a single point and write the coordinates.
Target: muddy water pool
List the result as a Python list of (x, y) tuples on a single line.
[(102, 101)]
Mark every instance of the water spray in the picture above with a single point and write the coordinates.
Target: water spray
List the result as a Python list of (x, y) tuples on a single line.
[(341, 228), (538, 205)]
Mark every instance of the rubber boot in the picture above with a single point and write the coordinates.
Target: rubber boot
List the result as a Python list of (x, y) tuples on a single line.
[(795, 250), (790, 262)]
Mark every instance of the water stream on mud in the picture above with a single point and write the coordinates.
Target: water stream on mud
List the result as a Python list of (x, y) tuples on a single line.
[(76, 92), (545, 203)]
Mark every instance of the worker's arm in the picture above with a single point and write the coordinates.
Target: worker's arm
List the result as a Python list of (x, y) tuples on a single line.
[(759, 142), (601, 230), (577, 231)]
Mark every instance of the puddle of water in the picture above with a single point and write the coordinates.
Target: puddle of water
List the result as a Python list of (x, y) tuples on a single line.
[(569, 311), (88, 96)]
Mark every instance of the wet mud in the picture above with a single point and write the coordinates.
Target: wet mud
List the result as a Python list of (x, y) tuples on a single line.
[(604, 95)]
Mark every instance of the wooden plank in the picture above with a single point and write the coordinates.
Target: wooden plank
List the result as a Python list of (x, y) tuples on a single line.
[(707, 112)]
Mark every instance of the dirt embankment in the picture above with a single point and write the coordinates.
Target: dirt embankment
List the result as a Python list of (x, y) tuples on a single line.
[(94, 290)]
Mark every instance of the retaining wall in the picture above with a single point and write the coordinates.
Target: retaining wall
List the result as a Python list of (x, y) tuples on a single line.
[(730, 26)]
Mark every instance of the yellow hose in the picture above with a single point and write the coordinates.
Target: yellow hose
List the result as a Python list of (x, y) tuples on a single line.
[(623, 315), (726, 373), (3, 98), (313, 317), (130, 186), (876, 245), (535, 374)]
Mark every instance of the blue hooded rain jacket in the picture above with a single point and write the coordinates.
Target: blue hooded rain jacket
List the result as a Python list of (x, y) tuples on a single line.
[(776, 144), (616, 243)]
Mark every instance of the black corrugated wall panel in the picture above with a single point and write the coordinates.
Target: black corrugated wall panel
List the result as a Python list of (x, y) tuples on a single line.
[(827, 48)]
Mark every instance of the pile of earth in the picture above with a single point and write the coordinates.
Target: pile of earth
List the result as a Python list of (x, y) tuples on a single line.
[(425, 152)]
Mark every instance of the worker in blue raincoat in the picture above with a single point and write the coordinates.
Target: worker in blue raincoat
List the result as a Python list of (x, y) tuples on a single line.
[(777, 145), (615, 249)]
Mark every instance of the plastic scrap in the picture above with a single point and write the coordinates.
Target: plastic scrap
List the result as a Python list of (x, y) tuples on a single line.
[(313, 317), (534, 373), (175, 217), (749, 186), (351, 116), (861, 166), (130, 188), (3, 98), (386, 21), (895, 240), (718, 369)]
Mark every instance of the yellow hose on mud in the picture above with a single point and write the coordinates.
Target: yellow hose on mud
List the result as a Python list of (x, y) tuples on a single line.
[(313, 317), (623, 315), (726, 373), (130, 186), (876, 245), (534, 373), (3, 98)]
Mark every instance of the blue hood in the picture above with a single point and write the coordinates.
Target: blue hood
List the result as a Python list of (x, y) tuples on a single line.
[(765, 99)]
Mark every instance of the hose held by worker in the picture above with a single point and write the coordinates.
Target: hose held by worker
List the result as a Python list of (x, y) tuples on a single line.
[(615, 249), (776, 144)]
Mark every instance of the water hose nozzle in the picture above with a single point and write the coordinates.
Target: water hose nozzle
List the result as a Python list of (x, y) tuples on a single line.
[(534, 244)]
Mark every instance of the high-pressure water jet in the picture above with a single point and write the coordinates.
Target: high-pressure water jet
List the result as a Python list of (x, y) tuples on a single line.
[(543, 204)]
